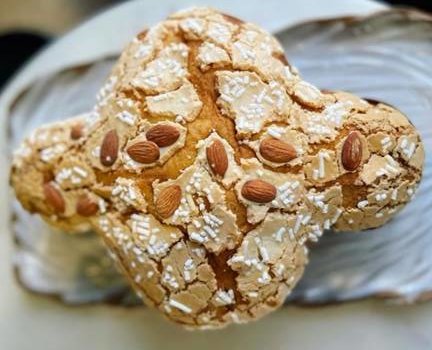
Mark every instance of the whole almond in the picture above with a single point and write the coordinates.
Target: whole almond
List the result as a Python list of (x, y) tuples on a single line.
[(109, 148), (168, 201), (86, 206), (232, 19), (76, 131), (163, 135), (258, 191), (217, 158), (144, 152), (54, 198), (352, 151), (277, 151)]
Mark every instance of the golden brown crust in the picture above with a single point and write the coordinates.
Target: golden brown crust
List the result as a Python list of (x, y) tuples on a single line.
[(209, 221)]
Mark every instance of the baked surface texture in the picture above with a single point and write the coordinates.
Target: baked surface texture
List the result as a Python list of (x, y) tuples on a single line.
[(208, 164)]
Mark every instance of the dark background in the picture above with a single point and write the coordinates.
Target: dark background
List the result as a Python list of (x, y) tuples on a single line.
[(28, 25), (425, 5)]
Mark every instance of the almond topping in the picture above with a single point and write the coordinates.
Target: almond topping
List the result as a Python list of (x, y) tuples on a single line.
[(277, 151), (352, 151), (163, 135), (144, 152), (109, 148), (76, 132), (54, 198), (86, 207), (258, 191), (217, 158), (232, 19), (168, 201)]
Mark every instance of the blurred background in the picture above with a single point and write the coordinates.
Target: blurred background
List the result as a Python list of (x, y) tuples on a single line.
[(27, 25)]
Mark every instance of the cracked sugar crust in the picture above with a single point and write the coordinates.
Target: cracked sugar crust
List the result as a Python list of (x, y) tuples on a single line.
[(208, 164)]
